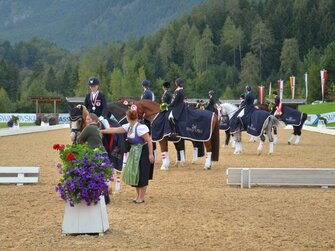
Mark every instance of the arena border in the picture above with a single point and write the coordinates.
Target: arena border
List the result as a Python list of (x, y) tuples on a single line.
[(30, 129)]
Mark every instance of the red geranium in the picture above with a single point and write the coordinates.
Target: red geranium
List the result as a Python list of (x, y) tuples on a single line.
[(70, 156), (56, 146), (61, 147)]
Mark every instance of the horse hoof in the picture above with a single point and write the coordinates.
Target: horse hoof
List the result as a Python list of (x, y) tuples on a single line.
[(195, 161), (207, 167), (289, 143), (163, 168)]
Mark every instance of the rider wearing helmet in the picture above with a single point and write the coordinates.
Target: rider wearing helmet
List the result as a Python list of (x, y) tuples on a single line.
[(211, 103), (177, 105), (147, 93), (167, 96), (95, 101)]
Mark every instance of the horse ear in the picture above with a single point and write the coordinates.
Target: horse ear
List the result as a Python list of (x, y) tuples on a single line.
[(69, 108)]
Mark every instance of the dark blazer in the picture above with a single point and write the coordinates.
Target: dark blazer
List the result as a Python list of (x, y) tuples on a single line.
[(148, 94), (249, 102), (177, 105), (167, 97), (100, 104), (211, 105)]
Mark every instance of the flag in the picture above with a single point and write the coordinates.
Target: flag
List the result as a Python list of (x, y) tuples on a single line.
[(323, 75), (280, 87), (292, 83), (306, 85), (270, 90), (261, 93)]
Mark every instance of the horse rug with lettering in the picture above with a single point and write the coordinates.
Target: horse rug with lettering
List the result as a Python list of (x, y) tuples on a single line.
[(291, 116), (252, 123), (224, 122), (194, 124)]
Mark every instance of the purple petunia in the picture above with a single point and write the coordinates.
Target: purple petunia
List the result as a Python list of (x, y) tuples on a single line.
[(85, 178)]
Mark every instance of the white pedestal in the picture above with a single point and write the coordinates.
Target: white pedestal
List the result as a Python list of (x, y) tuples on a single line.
[(83, 219)]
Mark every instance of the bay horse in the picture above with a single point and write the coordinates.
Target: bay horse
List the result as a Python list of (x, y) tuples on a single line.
[(266, 126), (118, 111), (149, 110), (77, 121)]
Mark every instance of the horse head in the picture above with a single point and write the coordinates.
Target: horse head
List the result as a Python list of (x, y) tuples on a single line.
[(228, 109), (77, 120), (146, 108)]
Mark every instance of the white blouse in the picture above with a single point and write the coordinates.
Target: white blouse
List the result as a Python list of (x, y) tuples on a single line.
[(141, 129)]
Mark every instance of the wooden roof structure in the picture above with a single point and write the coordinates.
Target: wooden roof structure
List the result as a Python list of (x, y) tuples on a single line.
[(45, 99)]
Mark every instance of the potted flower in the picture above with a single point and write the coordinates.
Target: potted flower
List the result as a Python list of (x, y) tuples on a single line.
[(84, 176), (13, 122)]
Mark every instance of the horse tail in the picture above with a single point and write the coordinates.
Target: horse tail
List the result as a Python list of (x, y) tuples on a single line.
[(215, 140), (275, 121)]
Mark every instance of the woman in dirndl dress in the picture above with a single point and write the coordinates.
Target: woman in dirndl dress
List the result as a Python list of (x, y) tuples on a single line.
[(139, 168)]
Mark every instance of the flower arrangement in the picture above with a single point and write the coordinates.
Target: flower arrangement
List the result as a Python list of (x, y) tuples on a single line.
[(14, 120), (85, 173)]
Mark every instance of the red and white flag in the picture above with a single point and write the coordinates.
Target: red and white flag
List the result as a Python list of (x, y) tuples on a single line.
[(261, 94), (280, 87), (323, 75), (292, 83)]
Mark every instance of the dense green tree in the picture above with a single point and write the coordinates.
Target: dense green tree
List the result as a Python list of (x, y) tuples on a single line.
[(204, 50), (261, 39), (6, 105), (250, 70), (289, 57), (232, 37)]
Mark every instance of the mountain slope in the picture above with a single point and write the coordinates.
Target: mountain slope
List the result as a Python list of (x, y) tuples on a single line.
[(76, 23)]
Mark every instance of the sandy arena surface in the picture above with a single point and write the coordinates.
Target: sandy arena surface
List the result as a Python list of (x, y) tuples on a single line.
[(186, 208)]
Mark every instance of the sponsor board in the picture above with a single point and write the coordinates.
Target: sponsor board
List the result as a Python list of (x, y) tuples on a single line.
[(31, 117)]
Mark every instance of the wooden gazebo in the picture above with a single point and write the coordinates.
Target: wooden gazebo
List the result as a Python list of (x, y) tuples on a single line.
[(45, 99)]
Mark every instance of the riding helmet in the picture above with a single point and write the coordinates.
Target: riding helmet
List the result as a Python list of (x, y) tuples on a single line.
[(166, 84), (145, 83), (248, 88), (179, 82), (92, 81)]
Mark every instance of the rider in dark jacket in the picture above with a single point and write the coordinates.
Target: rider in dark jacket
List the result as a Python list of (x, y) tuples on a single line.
[(167, 96), (177, 105), (211, 103)]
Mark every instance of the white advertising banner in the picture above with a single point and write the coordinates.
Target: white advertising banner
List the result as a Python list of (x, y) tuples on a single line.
[(30, 117), (313, 119)]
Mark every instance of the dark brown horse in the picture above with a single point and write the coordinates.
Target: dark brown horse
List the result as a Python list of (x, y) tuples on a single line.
[(149, 109)]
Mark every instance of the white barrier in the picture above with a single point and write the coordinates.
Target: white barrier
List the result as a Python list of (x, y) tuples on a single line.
[(19, 175), (247, 177)]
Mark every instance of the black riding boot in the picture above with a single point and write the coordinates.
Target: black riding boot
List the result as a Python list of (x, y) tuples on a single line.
[(173, 127)]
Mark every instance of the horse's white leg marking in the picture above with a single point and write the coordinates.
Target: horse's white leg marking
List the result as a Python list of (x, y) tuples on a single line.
[(208, 162), (271, 148), (275, 139), (290, 140), (297, 139), (182, 157), (195, 155), (165, 161), (260, 147)]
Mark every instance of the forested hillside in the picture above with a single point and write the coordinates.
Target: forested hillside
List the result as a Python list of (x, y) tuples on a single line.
[(222, 45), (73, 24)]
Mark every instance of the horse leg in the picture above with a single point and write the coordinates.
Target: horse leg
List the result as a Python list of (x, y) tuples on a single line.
[(180, 148), (238, 143), (208, 161), (275, 136), (297, 132), (195, 152), (252, 139), (261, 143), (269, 134), (227, 132), (165, 154)]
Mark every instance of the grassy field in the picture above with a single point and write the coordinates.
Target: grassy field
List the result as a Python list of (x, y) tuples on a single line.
[(318, 109), (4, 125)]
